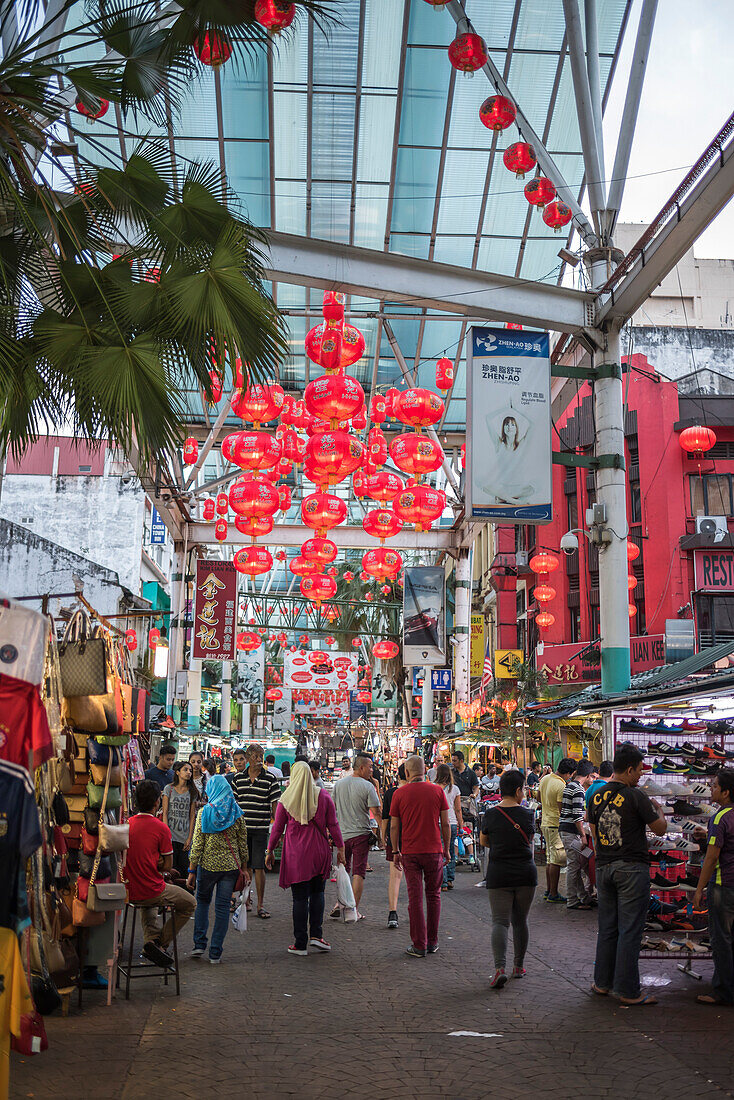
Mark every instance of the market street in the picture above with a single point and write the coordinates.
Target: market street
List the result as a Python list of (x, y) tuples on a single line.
[(367, 1021)]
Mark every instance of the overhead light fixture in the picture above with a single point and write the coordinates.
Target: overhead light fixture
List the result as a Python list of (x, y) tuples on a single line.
[(160, 662), (569, 257)]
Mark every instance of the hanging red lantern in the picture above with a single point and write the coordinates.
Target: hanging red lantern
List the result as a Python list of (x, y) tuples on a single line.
[(356, 642), (467, 53), (190, 451), (386, 590), (444, 375), (274, 15), (390, 398), (331, 613), (253, 560), (331, 349), (255, 526), (385, 650), (381, 563), (228, 445), (543, 562), (631, 581), (312, 343), (697, 440), (557, 214), (131, 640), (631, 610), (377, 409), (520, 158), (382, 524), (348, 575), (256, 451), (154, 636), (300, 567), (216, 387), (420, 505), (321, 511), (220, 529), (497, 113), (321, 551), (333, 306), (291, 446), (330, 640), (359, 422), (281, 555), (253, 496), (353, 346), (377, 446), (416, 454), (282, 638), (93, 113), (369, 596), (545, 620), (540, 191), (208, 512), (383, 486), (248, 641), (318, 588), (303, 639), (212, 50), (633, 551), (334, 397), (359, 483), (418, 407), (284, 498), (222, 504), (544, 593), (334, 455)]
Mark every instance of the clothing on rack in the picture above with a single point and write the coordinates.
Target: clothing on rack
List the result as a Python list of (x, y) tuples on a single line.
[(24, 730), (23, 637), (20, 836)]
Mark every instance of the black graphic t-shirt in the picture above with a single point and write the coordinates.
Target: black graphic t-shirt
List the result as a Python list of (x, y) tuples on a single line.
[(620, 814)]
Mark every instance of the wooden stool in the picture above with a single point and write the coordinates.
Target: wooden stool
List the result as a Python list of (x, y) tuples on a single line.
[(127, 968)]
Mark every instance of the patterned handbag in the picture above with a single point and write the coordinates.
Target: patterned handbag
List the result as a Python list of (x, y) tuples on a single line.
[(82, 658)]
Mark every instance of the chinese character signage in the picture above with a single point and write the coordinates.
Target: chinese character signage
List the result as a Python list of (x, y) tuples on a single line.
[(476, 646), (424, 615), (215, 610), (508, 453), (714, 570), (567, 664), (157, 529)]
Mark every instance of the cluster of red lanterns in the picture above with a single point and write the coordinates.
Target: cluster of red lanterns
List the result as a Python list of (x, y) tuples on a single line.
[(542, 564)]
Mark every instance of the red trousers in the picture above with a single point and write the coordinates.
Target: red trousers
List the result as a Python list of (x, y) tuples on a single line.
[(424, 869)]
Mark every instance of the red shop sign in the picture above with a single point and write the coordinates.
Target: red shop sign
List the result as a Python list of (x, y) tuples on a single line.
[(215, 610), (714, 570), (563, 664)]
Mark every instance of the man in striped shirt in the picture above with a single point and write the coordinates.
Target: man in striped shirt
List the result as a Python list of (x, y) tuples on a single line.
[(256, 791), (572, 833)]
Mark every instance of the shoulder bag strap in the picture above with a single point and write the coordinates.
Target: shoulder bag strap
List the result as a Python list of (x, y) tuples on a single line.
[(98, 854), (234, 857), (515, 825)]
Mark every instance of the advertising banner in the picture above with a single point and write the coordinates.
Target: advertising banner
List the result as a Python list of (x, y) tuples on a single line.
[(157, 529), (506, 662), (384, 690), (563, 664), (357, 710), (476, 646), (250, 675), (424, 616), (508, 452), (320, 670), (281, 720), (215, 610)]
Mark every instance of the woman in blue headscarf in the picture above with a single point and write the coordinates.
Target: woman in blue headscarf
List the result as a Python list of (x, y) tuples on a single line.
[(217, 858)]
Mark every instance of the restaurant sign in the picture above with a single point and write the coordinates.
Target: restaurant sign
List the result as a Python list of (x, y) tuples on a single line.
[(215, 610), (714, 570), (581, 663)]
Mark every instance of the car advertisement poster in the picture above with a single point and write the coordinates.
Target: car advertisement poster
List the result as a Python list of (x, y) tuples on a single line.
[(508, 453), (281, 718), (424, 615)]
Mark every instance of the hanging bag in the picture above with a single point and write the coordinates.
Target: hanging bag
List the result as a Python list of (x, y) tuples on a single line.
[(82, 659), (111, 896)]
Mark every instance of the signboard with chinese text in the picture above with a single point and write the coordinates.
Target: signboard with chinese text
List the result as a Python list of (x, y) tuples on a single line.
[(215, 610), (506, 662), (563, 664), (424, 615), (476, 646), (508, 451), (714, 570)]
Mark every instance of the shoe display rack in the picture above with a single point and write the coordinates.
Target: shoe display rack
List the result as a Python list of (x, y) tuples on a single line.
[(682, 756)]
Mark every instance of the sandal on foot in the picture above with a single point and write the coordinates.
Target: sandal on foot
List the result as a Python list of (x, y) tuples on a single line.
[(648, 999), (707, 999), (599, 992), (263, 914)]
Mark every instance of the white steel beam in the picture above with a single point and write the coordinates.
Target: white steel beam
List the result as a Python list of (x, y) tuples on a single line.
[(584, 108), (332, 265), (346, 538)]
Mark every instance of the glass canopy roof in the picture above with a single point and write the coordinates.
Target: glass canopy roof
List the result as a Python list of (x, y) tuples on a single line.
[(369, 137)]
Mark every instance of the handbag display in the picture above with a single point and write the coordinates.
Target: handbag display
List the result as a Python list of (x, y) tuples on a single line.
[(127, 707), (83, 885), (83, 917), (91, 821), (87, 862), (99, 773), (141, 710), (101, 752), (86, 712), (32, 1038), (60, 809), (96, 796), (76, 805), (114, 838), (82, 659), (89, 843), (72, 834), (115, 739), (107, 897)]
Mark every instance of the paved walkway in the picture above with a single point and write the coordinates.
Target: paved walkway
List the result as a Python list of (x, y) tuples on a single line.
[(369, 1022)]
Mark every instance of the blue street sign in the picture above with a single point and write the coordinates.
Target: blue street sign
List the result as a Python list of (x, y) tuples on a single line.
[(417, 680), (441, 679), (157, 530)]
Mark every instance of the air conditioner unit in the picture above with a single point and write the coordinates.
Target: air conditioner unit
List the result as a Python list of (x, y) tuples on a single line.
[(715, 528)]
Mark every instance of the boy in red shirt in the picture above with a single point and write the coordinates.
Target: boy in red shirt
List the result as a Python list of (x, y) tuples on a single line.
[(150, 853), (420, 834)]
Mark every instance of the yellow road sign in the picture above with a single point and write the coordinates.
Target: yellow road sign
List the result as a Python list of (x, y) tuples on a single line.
[(506, 662)]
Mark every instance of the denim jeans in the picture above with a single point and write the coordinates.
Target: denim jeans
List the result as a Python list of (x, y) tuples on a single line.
[(721, 932), (449, 871), (623, 893), (205, 883), (308, 911)]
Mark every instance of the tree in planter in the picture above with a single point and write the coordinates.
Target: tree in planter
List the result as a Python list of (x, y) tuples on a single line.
[(102, 344)]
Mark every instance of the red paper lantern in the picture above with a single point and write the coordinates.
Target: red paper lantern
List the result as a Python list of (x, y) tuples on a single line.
[(334, 455), (468, 52), (540, 191), (381, 563), (282, 638), (697, 440), (209, 508), (545, 620), (131, 640), (377, 446), (520, 158), (154, 636), (216, 387), (254, 526), (331, 613), (359, 483), (420, 505), (248, 640), (273, 694), (212, 50), (291, 446), (416, 454), (333, 306), (93, 113), (300, 567), (633, 551), (382, 524), (631, 581), (253, 497), (256, 450), (220, 529), (543, 562), (557, 214), (228, 445), (418, 407), (222, 504), (631, 610), (383, 485), (385, 650), (359, 422), (390, 398), (334, 397), (353, 346), (260, 403), (190, 451), (321, 511), (318, 588), (348, 575), (377, 409), (253, 560), (330, 640), (497, 113), (274, 15), (444, 375), (544, 593), (331, 348), (321, 551), (356, 642)]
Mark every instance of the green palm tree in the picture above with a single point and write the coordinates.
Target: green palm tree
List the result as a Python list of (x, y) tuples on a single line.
[(120, 286)]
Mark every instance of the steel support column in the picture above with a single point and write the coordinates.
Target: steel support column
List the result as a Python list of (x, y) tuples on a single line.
[(427, 704)]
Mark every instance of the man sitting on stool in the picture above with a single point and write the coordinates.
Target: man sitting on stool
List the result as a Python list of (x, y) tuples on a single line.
[(151, 853)]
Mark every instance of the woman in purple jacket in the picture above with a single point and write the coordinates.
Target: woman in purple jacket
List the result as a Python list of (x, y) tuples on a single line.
[(305, 814)]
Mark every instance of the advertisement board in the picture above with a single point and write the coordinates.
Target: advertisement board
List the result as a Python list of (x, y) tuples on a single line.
[(250, 675), (714, 570), (384, 690), (215, 610), (281, 719), (424, 615), (564, 664), (319, 670), (508, 444), (476, 646)]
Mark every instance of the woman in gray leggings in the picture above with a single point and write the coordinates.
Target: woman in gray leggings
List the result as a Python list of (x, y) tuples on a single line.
[(507, 831)]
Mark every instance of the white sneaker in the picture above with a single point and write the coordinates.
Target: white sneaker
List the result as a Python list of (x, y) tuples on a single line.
[(197, 952), (215, 962)]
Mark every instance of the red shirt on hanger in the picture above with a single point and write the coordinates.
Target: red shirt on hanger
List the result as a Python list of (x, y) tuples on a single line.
[(24, 732)]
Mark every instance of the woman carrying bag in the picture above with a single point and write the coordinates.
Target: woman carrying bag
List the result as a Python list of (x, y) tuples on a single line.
[(305, 815), (507, 830), (218, 858)]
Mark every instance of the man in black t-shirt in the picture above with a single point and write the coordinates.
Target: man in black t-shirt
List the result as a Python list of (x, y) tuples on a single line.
[(618, 815)]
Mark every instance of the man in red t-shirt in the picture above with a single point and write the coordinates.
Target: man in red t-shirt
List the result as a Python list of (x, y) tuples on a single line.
[(420, 834), (150, 853)]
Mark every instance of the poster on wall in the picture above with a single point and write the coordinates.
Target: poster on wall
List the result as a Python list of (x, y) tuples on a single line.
[(314, 670), (250, 675), (384, 690), (424, 615), (215, 610), (508, 453), (281, 718)]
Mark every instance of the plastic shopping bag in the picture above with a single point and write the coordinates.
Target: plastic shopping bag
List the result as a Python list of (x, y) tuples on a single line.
[(239, 917), (345, 894)]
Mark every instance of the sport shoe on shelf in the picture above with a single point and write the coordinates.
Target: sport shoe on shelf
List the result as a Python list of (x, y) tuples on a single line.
[(499, 981), (666, 766), (392, 919), (688, 809), (660, 747), (320, 944), (293, 950), (661, 908), (663, 883)]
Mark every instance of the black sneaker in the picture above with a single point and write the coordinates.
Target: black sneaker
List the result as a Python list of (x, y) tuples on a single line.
[(687, 749), (663, 883), (660, 747), (687, 809), (432, 948), (392, 919), (157, 955), (415, 952), (660, 908)]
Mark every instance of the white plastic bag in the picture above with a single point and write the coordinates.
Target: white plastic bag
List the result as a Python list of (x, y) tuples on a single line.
[(345, 894), (239, 917)]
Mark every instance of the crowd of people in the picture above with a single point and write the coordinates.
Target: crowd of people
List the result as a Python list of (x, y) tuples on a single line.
[(201, 834)]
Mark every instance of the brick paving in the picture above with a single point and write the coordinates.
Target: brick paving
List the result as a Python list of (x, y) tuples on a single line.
[(367, 1021)]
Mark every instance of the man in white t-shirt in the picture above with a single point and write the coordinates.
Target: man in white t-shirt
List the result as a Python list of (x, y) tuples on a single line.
[(354, 796), (270, 766)]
